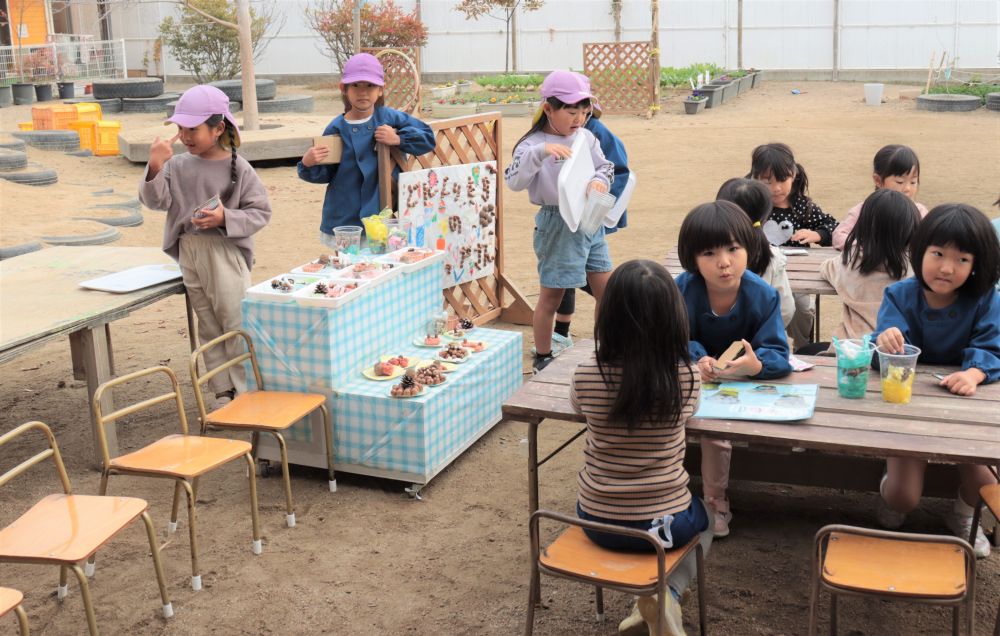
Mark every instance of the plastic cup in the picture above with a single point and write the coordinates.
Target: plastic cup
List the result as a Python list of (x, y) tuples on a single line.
[(347, 238), (898, 371), (595, 210), (854, 359), (397, 235)]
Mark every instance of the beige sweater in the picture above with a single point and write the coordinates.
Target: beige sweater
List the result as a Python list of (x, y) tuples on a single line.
[(860, 294), (844, 228)]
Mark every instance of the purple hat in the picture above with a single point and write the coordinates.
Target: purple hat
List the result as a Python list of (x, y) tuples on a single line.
[(199, 103), (363, 67), (569, 88)]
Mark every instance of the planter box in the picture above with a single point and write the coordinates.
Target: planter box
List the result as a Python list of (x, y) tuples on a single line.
[(446, 111), (521, 109), (440, 92), (714, 94), (694, 106), (756, 78), (730, 90), (746, 84), (463, 87)]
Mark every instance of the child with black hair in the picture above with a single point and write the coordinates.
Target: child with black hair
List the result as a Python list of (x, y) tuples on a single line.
[(213, 245), (876, 255), (565, 259), (951, 311), (895, 167), (775, 165), (726, 303), (637, 391), (770, 264)]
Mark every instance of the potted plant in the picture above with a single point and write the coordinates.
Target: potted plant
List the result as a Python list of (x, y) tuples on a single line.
[(442, 91), (695, 103), (454, 107), (463, 86), (729, 88), (713, 94)]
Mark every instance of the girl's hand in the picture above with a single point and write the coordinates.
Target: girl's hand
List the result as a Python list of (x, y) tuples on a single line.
[(706, 367), (891, 340), (806, 237), (209, 218), (387, 135), (598, 186), (314, 155), (746, 365), (558, 151), (160, 152), (963, 382)]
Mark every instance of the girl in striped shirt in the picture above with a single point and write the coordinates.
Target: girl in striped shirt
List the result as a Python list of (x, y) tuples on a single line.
[(637, 392)]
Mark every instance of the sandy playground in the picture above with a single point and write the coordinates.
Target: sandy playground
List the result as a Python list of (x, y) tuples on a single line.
[(370, 560)]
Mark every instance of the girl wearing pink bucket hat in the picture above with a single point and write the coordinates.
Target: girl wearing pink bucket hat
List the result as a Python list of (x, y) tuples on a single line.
[(566, 259), (352, 185), (215, 203)]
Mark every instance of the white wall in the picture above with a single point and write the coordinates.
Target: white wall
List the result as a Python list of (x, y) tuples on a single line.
[(778, 34)]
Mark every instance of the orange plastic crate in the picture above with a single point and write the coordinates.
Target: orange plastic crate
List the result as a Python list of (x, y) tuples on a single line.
[(106, 143), (55, 117), (88, 112), (88, 134)]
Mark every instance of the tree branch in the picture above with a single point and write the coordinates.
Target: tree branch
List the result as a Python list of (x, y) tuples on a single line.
[(187, 4)]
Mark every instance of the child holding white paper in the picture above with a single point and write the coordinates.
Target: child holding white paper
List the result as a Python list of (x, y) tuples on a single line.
[(566, 259)]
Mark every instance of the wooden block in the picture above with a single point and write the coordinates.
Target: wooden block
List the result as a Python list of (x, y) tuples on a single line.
[(729, 355), (332, 143)]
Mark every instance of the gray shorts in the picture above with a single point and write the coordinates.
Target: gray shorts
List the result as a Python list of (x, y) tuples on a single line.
[(565, 258)]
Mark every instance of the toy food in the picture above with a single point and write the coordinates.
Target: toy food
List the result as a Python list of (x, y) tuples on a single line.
[(334, 291), (475, 345), (454, 352), (383, 368), (408, 387), (432, 340), (284, 284), (455, 334), (327, 261), (431, 375), (399, 361), (413, 255)]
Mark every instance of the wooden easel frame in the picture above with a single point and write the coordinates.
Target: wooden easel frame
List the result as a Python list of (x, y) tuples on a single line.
[(466, 140)]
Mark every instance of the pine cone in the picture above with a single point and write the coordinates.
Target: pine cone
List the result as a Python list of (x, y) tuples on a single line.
[(321, 288), (465, 323), (407, 382)]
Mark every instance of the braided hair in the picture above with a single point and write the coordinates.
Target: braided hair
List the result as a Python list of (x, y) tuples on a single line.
[(226, 140)]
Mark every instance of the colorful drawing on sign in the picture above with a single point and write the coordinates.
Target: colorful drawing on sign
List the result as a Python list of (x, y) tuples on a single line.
[(751, 401), (453, 208)]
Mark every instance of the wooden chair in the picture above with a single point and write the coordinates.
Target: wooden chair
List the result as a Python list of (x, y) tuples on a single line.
[(261, 411), (66, 529), (11, 600), (892, 565), (990, 497), (183, 458), (575, 557)]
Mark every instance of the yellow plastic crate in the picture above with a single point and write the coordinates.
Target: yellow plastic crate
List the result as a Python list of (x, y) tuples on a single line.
[(106, 143), (25, 125), (88, 134), (88, 112), (54, 117)]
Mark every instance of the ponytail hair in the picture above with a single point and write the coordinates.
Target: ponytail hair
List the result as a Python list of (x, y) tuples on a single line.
[(227, 140), (754, 199), (777, 161)]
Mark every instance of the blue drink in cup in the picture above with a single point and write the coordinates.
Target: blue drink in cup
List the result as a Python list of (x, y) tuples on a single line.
[(854, 359)]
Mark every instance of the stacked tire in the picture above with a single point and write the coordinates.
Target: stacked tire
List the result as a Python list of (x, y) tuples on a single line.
[(267, 97), (993, 101)]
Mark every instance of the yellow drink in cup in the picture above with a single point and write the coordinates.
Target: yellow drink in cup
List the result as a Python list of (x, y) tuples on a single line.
[(897, 372)]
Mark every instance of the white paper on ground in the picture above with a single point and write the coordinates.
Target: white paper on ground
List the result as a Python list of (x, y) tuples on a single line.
[(575, 175), (611, 220), (134, 279)]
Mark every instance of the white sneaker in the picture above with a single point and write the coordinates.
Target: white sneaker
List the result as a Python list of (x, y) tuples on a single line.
[(560, 343), (959, 521), (721, 518), (648, 607), (887, 517)]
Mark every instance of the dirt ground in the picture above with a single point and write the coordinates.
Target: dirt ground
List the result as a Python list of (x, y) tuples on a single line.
[(370, 560)]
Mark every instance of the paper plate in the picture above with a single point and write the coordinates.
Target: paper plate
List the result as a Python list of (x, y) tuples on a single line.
[(575, 176), (370, 374), (431, 386), (450, 361), (486, 346), (405, 397), (419, 342), (446, 367), (413, 360), (450, 335)]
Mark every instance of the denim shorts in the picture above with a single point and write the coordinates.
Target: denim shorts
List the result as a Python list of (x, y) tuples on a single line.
[(685, 526), (564, 257)]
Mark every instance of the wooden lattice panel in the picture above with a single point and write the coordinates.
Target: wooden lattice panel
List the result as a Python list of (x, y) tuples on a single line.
[(466, 140), (620, 75), (402, 79)]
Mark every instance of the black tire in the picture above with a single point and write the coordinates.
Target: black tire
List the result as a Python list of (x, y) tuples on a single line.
[(948, 103), (266, 89), (993, 105), (289, 104), (108, 106), (97, 238), (34, 175), (148, 104), (12, 159), (234, 107), (13, 144), (50, 139), (132, 87), (127, 204), (17, 250), (129, 220)]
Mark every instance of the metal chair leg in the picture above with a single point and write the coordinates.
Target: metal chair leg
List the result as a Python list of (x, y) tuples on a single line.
[(257, 547), (328, 432), (154, 548), (289, 506), (955, 621), (599, 594), (702, 606), (172, 525), (63, 589), (193, 535), (87, 604), (22, 621), (833, 614), (996, 628), (975, 521), (533, 592)]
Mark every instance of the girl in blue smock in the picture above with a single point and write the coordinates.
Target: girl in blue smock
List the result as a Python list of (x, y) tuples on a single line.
[(951, 311), (352, 185), (726, 303)]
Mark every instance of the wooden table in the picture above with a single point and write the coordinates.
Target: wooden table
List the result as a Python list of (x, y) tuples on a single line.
[(936, 426), (803, 273), (42, 301)]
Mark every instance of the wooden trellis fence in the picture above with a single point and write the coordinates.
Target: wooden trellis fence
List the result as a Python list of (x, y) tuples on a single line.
[(466, 140), (402, 79), (620, 76)]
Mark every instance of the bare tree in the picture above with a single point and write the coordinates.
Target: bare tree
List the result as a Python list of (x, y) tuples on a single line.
[(475, 9)]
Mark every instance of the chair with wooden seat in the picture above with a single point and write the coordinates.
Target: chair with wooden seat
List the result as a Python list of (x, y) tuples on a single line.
[(183, 458), (66, 530), (575, 557), (989, 496), (261, 411), (922, 568), (11, 600)]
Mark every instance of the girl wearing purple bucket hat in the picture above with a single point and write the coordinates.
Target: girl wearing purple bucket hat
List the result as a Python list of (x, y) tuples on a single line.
[(215, 203), (352, 185), (566, 259)]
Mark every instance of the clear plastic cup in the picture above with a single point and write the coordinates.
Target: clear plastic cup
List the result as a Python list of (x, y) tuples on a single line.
[(854, 359), (898, 371), (348, 238), (397, 235), (596, 209)]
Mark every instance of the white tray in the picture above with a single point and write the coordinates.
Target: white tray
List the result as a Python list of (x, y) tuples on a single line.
[(133, 279), (393, 257), (326, 271), (307, 298), (264, 291), (390, 271), (575, 175)]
